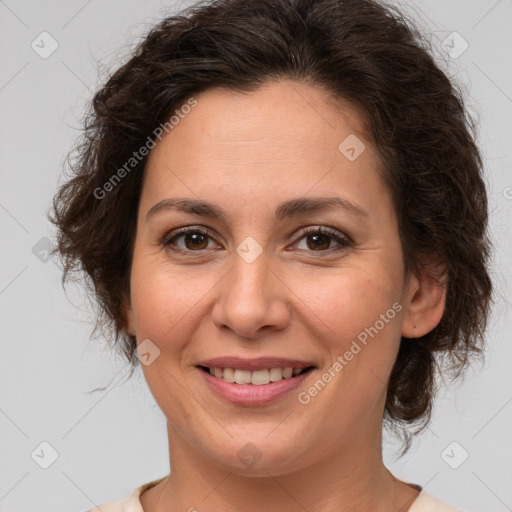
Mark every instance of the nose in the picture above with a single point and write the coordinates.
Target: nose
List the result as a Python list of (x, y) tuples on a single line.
[(252, 300)]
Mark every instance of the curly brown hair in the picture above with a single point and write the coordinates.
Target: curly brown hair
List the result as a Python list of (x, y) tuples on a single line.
[(358, 50)]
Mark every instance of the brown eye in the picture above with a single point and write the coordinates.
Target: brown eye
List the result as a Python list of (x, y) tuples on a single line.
[(318, 242), (320, 239), (188, 240), (196, 241)]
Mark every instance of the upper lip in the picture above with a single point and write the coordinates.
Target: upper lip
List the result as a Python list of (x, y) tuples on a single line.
[(258, 363)]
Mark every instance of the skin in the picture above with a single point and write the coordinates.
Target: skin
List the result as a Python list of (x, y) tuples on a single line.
[(247, 153)]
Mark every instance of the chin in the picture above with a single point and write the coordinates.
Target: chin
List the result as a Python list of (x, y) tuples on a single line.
[(259, 454)]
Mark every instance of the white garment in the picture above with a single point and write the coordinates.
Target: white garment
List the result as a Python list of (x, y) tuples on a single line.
[(423, 503)]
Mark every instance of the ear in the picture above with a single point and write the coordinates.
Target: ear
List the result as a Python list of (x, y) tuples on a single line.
[(424, 301), (129, 317)]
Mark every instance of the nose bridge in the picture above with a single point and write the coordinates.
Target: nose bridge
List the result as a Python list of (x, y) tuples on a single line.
[(251, 300), (250, 275)]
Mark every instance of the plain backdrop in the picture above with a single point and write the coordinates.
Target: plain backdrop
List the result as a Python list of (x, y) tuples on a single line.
[(107, 443)]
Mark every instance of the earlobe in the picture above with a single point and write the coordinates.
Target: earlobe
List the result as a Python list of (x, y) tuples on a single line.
[(424, 304)]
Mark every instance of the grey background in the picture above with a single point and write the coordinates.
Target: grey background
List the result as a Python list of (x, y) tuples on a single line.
[(112, 441)]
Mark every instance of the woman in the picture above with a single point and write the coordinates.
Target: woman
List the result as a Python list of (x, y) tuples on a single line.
[(281, 212)]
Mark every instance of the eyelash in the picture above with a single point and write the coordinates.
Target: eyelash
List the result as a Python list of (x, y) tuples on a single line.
[(342, 240)]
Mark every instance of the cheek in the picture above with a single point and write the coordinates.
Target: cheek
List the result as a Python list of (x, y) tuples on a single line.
[(167, 301), (357, 318), (347, 303), (168, 307)]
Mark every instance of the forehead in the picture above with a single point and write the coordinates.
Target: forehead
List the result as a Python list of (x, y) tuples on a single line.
[(275, 115), (283, 139)]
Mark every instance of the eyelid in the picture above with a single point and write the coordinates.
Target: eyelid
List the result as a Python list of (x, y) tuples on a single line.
[(185, 230), (339, 237)]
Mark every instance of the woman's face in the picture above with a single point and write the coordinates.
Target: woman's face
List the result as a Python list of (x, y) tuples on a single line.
[(256, 176)]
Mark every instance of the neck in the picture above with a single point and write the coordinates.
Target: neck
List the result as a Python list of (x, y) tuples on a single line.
[(352, 478)]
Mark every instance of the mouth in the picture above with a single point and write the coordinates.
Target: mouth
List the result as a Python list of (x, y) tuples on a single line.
[(259, 377), (253, 382)]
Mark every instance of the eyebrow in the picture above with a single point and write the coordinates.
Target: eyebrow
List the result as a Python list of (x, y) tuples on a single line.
[(291, 208)]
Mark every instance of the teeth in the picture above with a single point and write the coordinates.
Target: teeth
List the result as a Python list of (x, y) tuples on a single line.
[(257, 377), (242, 376), (260, 377), (229, 375), (276, 374)]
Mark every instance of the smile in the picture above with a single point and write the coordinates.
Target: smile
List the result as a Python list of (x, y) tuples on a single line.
[(257, 377), (255, 387)]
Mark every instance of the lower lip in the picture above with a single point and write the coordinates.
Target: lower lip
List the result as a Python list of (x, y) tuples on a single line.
[(249, 394)]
